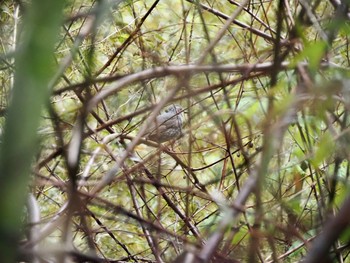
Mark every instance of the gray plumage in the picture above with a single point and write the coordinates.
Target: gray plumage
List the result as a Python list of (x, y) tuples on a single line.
[(167, 125)]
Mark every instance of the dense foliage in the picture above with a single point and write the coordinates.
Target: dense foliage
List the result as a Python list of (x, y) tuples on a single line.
[(260, 173)]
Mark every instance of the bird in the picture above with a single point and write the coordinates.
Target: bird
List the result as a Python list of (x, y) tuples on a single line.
[(167, 126)]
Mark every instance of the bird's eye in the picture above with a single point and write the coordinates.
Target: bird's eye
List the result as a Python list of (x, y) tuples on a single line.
[(170, 109)]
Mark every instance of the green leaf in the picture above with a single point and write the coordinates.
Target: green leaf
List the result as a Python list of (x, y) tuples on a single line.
[(34, 68)]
